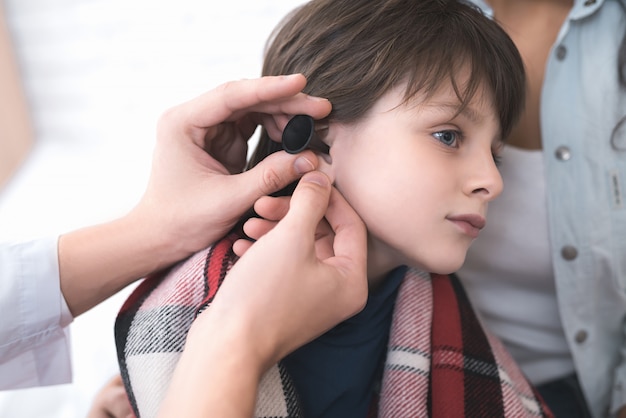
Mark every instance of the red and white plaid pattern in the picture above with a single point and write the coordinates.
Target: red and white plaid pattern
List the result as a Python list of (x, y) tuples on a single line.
[(441, 362)]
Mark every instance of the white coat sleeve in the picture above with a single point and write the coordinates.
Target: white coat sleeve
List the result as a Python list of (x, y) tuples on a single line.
[(34, 339)]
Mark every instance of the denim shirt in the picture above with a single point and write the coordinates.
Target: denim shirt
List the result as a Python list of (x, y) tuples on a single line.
[(581, 104)]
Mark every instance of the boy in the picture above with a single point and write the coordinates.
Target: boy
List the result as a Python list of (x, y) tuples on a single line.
[(422, 94)]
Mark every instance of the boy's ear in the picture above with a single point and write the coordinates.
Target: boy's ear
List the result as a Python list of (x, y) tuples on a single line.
[(321, 130), (325, 160)]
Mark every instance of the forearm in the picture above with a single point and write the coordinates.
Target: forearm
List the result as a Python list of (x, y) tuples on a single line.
[(218, 375), (98, 261)]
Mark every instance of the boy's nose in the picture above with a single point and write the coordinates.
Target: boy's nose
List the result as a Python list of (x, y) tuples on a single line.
[(486, 180)]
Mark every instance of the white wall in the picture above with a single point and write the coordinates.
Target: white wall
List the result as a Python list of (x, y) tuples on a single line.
[(98, 73)]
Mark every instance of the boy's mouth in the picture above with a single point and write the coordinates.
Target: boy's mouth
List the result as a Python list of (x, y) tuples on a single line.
[(470, 224)]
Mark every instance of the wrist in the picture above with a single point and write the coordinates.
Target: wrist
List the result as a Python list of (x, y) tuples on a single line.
[(161, 232), (227, 336), (218, 373), (98, 261)]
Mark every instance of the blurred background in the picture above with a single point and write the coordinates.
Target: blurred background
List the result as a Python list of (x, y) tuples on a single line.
[(97, 74)]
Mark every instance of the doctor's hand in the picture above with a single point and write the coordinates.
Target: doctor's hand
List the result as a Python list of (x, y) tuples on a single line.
[(201, 153), (307, 268), (282, 293), (189, 202)]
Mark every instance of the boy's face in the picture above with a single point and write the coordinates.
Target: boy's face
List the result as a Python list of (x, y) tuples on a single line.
[(420, 176)]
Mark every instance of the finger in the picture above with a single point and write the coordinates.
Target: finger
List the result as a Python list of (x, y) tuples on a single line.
[(241, 246), (309, 202), (274, 131), (275, 172), (275, 124), (272, 208), (255, 228), (350, 248), (350, 243), (278, 94), (324, 238), (118, 407), (111, 401)]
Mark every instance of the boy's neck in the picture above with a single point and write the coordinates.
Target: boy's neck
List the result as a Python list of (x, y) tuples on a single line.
[(380, 262)]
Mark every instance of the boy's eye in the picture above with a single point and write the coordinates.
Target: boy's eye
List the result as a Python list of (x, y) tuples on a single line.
[(447, 137)]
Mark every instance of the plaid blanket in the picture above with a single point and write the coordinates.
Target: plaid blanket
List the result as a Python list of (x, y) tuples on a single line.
[(441, 362)]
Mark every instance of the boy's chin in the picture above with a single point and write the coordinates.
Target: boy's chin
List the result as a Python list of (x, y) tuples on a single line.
[(448, 265)]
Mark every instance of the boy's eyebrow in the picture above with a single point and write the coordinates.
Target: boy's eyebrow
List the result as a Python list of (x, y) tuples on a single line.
[(456, 109)]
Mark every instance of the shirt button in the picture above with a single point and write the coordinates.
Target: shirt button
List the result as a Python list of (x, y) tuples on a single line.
[(581, 336), (561, 52), (563, 153), (569, 252)]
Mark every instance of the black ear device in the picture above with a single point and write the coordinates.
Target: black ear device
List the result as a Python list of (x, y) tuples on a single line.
[(299, 135)]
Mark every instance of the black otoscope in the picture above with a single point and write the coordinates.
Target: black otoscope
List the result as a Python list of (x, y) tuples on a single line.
[(299, 134)]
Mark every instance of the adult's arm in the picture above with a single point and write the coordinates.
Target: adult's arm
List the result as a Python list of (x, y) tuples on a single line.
[(188, 204)]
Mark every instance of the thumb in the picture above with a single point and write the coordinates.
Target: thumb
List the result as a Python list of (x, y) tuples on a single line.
[(309, 202), (275, 172)]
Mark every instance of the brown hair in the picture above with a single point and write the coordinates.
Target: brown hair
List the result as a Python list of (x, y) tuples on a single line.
[(352, 52)]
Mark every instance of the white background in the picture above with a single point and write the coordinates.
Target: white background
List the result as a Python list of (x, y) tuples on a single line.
[(97, 74)]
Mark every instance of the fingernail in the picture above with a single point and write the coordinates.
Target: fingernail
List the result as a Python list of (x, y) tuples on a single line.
[(317, 99), (303, 165), (316, 177)]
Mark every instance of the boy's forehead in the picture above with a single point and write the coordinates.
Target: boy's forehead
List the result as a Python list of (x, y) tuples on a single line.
[(446, 97)]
